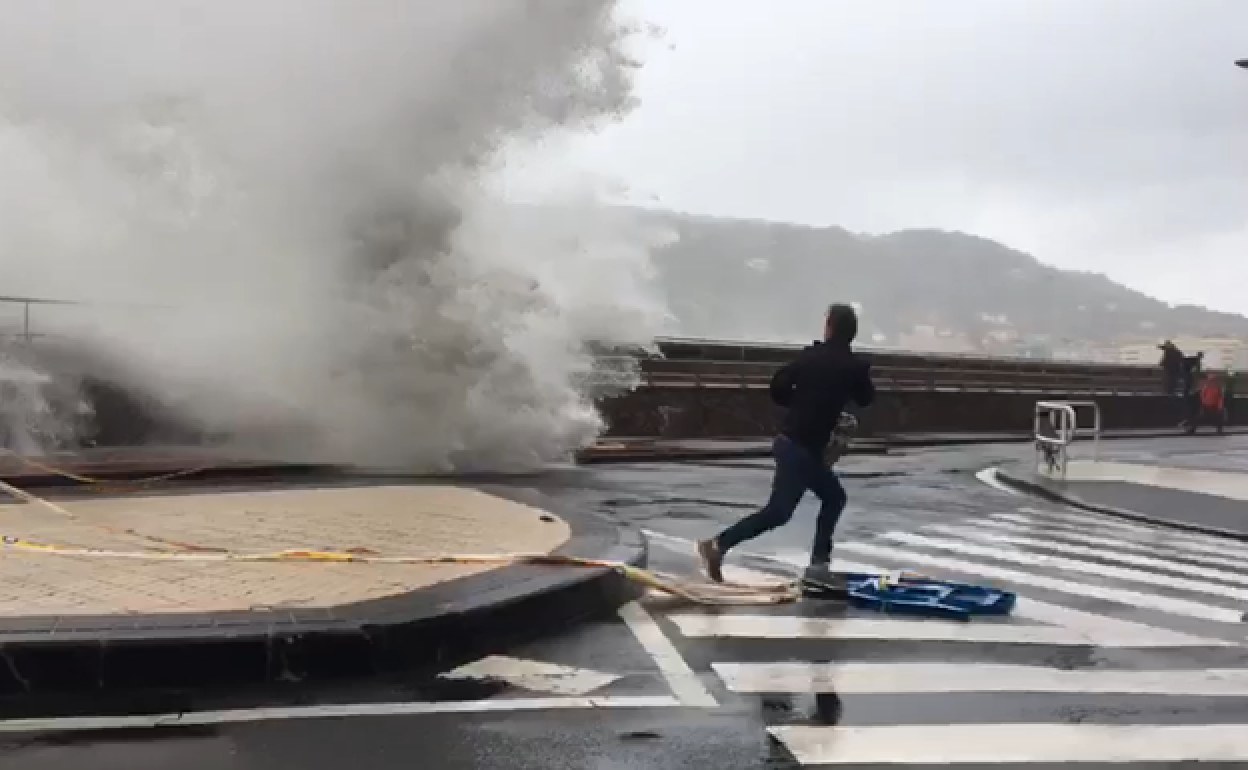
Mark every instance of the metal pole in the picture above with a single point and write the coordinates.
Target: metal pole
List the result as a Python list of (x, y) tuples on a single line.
[(26, 321)]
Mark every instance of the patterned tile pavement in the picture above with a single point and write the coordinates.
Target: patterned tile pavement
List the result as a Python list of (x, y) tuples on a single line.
[(388, 520)]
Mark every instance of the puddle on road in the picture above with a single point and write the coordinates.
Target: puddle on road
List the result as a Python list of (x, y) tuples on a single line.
[(86, 738), (440, 690), (625, 503)]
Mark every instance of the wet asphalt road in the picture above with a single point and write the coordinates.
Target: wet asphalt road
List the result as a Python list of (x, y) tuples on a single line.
[(748, 687)]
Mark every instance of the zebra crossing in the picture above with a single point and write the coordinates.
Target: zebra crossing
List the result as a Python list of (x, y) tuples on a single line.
[(1127, 645)]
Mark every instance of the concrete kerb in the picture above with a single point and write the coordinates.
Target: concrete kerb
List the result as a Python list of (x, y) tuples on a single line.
[(668, 450), (663, 454), (901, 441), (139, 474), (427, 629), (1052, 491)]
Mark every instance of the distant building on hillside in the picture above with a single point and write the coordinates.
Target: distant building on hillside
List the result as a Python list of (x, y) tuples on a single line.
[(1086, 352), (929, 339), (1140, 353), (1034, 349)]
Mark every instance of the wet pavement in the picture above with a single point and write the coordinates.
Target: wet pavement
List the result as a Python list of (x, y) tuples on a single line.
[(1127, 647), (1212, 512), (1200, 485), (1200, 452)]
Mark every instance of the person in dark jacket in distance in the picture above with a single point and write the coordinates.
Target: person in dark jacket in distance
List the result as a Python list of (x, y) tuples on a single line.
[(1190, 371), (1171, 366), (816, 387)]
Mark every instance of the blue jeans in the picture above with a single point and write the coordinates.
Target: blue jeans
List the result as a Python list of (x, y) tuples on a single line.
[(797, 470)]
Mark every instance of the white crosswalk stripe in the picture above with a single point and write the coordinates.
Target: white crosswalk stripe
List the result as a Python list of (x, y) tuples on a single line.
[(1013, 744), (965, 545), (743, 626), (1191, 543), (1064, 533), (883, 678), (1184, 607), (1012, 537), (1085, 582)]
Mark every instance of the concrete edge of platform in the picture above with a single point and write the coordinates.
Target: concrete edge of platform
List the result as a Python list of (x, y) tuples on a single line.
[(654, 450), (423, 630), (902, 441), (649, 456), (676, 454), (121, 473), (1037, 486)]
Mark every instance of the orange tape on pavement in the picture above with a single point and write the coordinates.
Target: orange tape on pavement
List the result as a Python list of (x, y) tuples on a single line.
[(95, 484), (62, 511), (693, 590)]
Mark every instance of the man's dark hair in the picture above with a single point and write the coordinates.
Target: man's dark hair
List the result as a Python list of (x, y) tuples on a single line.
[(844, 322)]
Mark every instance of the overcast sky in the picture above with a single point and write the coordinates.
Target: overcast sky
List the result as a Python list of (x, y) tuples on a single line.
[(1109, 135)]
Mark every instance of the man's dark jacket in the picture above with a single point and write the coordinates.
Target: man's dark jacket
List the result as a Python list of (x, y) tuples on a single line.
[(816, 387)]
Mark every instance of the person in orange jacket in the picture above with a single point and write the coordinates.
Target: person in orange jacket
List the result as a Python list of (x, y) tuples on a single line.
[(1211, 404)]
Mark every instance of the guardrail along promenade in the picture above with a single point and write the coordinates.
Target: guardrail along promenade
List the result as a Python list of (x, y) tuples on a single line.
[(698, 388), (709, 389), (683, 363)]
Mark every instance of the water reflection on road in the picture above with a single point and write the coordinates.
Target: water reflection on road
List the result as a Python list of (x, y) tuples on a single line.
[(901, 490)]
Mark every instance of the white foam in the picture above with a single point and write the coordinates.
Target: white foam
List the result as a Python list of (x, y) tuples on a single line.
[(307, 190)]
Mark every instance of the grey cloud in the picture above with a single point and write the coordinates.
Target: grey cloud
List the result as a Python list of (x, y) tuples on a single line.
[(1107, 134)]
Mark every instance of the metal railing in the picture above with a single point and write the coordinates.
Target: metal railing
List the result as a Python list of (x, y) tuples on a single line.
[(26, 329), (705, 363), (907, 374), (1056, 427), (723, 349)]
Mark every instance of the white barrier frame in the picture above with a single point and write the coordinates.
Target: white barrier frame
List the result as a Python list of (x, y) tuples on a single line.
[(1067, 431)]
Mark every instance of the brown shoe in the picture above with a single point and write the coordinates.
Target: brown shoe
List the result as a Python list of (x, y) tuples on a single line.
[(712, 559)]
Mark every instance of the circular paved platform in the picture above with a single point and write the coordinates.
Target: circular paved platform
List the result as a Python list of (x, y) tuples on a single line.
[(395, 520)]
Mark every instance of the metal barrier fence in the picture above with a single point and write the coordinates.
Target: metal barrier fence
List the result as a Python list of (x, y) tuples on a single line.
[(910, 372), (689, 348), (683, 362), (24, 330), (702, 363), (1056, 427), (18, 319)]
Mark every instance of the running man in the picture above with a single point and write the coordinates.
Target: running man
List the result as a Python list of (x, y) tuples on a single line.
[(815, 387)]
